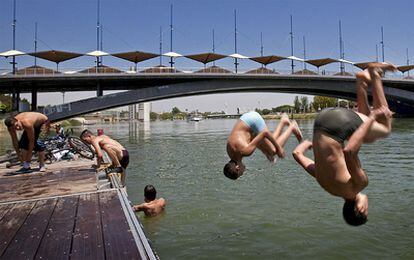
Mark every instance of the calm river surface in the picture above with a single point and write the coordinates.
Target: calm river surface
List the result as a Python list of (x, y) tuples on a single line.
[(272, 211)]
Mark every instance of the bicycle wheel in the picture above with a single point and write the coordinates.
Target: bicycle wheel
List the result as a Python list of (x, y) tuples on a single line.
[(80, 147)]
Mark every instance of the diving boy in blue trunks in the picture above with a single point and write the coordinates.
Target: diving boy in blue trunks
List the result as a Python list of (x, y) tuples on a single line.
[(251, 132), (337, 167)]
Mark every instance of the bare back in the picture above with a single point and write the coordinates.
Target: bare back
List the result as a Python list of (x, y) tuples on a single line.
[(31, 119), (239, 138), (330, 166), (107, 143), (154, 207)]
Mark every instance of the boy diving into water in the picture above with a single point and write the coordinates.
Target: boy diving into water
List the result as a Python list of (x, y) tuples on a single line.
[(337, 167), (251, 132)]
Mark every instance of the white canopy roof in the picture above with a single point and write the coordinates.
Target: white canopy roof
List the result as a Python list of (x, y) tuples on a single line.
[(11, 53), (172, 54), (346, 61), (238, 56), (294, 58), (97, 53)]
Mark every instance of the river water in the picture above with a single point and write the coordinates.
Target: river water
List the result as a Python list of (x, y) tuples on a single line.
[(272, 211)]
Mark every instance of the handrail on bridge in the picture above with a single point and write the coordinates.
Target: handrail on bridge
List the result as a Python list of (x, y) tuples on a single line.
[(42, 71)]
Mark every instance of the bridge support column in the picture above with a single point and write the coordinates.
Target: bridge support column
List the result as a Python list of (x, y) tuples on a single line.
[(15, 100), (132, 112), (144, 110), (34, 99), (99, 90)]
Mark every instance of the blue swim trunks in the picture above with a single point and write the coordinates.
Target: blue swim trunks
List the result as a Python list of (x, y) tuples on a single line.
[(254, 120)]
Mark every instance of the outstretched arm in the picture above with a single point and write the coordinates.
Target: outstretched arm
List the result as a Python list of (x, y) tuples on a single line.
[(98, 150), (299, 155), (357, 138), (358, 176), (15, 142), (139, 207)]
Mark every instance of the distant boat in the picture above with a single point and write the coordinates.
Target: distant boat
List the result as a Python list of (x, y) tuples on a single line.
[(194, 118)]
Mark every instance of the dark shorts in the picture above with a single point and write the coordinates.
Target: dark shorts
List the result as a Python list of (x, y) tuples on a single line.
[(38, 145), (339, 123), (125, 159)]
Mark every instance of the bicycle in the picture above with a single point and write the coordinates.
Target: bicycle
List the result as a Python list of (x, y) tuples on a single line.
[(61, 146)]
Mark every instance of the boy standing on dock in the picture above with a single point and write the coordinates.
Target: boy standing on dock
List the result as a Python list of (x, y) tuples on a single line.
[(118, 154), (31, 123)]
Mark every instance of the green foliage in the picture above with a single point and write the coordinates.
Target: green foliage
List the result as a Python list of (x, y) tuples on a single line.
[(166, 116), (283, 108), (175, 111), (3, 108), (304, 103), (6, 103), (296, 104), (153, 116), (320, 102)]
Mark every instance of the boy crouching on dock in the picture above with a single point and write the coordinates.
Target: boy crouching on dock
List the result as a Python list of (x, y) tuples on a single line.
[(118, 154)]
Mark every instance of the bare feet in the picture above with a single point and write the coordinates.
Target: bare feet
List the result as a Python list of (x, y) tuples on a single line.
[(285, 119), (380, 67), (296, 131), (382, 112)]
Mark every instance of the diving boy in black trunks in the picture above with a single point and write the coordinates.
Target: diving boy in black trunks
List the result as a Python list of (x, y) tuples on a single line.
[(31, 123), (118, 154), (337, 167)]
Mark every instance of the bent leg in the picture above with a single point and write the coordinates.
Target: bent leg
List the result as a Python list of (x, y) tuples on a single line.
[(363, 80), (269, 149), (376, 131), (378, 95)]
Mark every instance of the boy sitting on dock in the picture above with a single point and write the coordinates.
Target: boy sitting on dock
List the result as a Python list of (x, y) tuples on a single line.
[(118, 154), (251, 132), (337, 167), (31, 123), (151, 205)]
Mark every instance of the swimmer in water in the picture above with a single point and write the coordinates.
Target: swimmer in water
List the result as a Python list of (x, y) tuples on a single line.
[(251, 132), (337, 167), (151, 205)]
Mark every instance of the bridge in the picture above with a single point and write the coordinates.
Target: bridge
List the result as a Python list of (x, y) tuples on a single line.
[(156, 86)]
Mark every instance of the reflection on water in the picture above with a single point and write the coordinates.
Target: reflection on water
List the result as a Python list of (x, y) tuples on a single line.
[(272, 211)]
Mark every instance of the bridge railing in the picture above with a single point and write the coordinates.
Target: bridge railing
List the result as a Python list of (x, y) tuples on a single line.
[(41, 71)]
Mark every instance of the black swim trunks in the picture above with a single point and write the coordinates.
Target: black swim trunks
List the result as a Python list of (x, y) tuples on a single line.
[(339, 123), (38, 145), (125, 159)]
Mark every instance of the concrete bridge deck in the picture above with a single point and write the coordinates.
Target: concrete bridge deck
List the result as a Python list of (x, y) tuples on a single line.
[(61, 214)]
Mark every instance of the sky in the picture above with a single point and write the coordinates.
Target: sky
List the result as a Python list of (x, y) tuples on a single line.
[(135, 25)]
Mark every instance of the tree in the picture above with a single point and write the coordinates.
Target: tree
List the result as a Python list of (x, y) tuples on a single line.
[(320, 102), (296, 104), (266, 111), (304, 103), (175, 111), (6, 100), (153, 116), (166, 116), (283, 108)]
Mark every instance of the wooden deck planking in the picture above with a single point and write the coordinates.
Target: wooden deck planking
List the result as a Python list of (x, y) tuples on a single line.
[(87, 239), (57, 240), (4, 209), (12, 222), (37, 185), (119, 242), (61, 215), (27, 240)]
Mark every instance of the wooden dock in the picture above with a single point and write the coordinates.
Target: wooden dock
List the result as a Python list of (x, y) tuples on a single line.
[(62, 214)]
